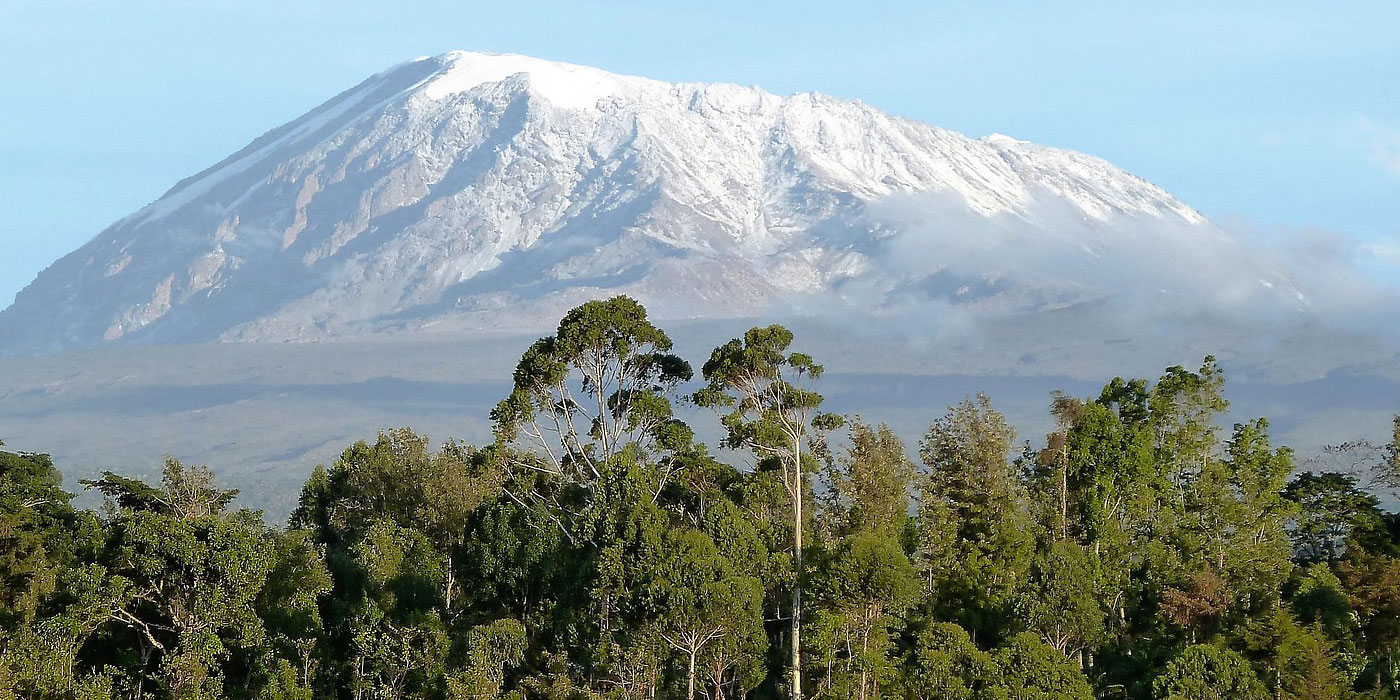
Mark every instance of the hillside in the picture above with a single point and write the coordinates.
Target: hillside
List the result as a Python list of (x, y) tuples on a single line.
[(472, 191)]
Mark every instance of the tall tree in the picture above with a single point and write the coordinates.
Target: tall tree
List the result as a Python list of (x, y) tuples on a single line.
[(863, 579), (40, 532), (1329, 507), (597, 387), (1260, 552), (984, 551), (944, 664), (1061, 601), (757, 386), (863, 586), (194, 572), (868, 488)]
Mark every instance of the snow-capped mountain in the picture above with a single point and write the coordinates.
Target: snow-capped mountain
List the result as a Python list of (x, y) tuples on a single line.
[(473, 190)]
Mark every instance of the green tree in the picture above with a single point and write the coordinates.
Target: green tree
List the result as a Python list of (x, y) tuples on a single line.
[(861, 587), (863, 579), (41, 660), (1372, 583), (492, 650), (1259, 559), (945, 665), (1028, 669), (699, 599), (756, 385), (734, 664), (1114, 491), (1182, 408), (1205, 672), (868, 488), (599, 386), (1321, 599), (975, 562), (194, 573), (1329, 508), (40, 533), (1297, 662), (1061, 603), (398, 642), (289, 605), (400, 480)]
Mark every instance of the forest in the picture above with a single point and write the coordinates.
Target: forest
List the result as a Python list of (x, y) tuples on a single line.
[(597, 549)]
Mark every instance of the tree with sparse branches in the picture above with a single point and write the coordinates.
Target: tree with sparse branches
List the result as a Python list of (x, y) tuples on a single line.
[(757, 387)]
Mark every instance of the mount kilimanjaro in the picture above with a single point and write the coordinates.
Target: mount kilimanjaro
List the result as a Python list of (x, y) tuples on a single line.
[(477, 191), (434, 219)]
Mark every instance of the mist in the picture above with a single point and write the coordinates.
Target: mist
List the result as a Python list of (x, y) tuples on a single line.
[(1294, 303)]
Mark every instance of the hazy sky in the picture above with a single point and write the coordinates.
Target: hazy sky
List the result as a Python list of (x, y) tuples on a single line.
[(1272, 115)]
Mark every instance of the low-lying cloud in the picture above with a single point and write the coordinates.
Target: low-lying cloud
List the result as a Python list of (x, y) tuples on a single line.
[(945, 273)]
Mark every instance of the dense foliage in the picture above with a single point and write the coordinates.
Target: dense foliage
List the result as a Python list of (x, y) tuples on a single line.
[(596, 550)]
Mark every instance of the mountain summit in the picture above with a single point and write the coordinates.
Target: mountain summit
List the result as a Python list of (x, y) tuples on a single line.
[(475, 190)]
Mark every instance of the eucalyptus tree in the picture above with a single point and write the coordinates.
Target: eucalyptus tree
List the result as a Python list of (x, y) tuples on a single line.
[(595, 393), (1067, 411), (757, 387)]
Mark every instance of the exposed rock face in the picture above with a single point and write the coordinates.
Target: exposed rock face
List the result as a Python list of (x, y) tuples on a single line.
[(477, 190)]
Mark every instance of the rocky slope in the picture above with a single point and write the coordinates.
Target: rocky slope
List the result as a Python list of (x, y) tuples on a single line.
[(480, 191)]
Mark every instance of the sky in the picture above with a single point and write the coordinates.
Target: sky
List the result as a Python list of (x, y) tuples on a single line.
[(1273, 116)]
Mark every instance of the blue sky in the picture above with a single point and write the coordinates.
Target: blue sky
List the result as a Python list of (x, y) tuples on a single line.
[(1278, 116)]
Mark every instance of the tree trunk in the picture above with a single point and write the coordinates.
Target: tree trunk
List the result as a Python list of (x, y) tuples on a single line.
[(1064, 490), (146, 653), (864, 651), (717, 668), (690, 678), (359, 677), (447, 587), (305, 665), (797, 494)]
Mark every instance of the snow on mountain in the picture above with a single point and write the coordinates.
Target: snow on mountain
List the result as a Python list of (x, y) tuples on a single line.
[(474, 191)]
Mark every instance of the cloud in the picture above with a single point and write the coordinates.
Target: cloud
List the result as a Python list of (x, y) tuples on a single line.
[(1386, 251), (1070, 294), (1054, 254)]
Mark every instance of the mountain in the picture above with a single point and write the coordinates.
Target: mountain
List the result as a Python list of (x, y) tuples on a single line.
[(478, 191)]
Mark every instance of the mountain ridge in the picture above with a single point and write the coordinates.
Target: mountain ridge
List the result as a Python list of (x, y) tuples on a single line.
[(479, 189)]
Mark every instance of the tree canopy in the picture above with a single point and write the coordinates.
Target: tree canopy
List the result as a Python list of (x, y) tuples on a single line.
[(596, 549)]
